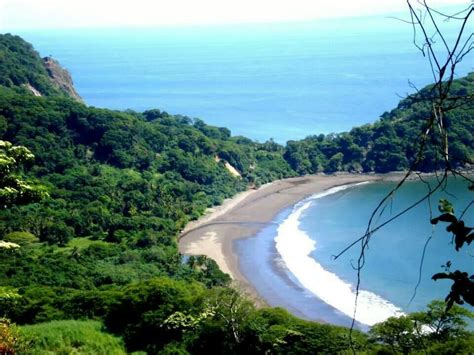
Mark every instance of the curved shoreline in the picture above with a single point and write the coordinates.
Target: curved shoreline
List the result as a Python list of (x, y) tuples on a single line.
[(247, 213)]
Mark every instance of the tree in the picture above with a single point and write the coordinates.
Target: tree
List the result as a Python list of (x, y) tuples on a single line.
[(443, 325), (13, 189), (423, 330), (335, 163), (145, 310), (397, 332), (441, 98), (231, 309)]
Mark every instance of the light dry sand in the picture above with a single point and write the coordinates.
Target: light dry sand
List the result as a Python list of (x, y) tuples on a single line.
[(248, 212)]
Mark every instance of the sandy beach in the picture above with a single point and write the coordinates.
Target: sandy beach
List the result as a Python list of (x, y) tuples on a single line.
[(248, 212)]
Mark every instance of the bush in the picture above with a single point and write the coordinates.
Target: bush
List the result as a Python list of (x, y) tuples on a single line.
[(140, 313), (67, 337), (11, 339), (21, 238)]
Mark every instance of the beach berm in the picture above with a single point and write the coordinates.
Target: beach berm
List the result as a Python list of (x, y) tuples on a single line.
[(248, 212)]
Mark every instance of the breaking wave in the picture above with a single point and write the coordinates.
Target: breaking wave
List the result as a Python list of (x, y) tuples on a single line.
[(295, 247)]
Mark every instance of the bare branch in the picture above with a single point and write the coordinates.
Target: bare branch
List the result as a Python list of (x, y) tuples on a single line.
[(435, 130)]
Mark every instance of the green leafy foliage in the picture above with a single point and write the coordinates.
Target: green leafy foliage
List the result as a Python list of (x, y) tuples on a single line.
[(391, 143), (462, 233), (160, 315), (71, 337), (462, 289), (20, 64), (140, 315), (114, 174), (14, 190), (20, 238), (123, 185), (11, 338), (428, 331)]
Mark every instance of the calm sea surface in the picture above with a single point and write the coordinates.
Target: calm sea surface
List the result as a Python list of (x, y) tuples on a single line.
[(285, 81), (281, 81)]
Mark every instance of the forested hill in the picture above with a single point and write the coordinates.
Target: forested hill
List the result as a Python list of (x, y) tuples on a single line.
[(391, 143), (172, 167), (117, 169), (21, 67), (125, 178), (123, 184)]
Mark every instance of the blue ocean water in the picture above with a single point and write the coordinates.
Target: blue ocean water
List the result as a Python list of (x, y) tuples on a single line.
[(323, 226), (261, 264), (282, 81)]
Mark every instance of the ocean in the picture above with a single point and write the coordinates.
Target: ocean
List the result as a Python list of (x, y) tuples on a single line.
[(291, 261), (281, 81), (284, 81)]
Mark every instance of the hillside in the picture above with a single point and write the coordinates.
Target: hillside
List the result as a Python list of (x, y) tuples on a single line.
[(21, 67), (123, 184), (389, 144)]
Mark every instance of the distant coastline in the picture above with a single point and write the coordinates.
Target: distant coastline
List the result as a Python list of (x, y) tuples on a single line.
[(247, 213)]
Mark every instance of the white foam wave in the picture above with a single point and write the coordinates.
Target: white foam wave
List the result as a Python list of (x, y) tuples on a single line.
[(295, 247)]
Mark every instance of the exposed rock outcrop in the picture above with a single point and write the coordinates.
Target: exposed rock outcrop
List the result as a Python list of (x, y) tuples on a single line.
[(60, 77), (229, 167), (32, 89)]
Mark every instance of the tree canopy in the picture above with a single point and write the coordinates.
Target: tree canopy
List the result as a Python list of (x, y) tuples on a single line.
[(122, 185)]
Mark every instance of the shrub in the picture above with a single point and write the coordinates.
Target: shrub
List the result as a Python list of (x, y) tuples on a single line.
[(67, 337)]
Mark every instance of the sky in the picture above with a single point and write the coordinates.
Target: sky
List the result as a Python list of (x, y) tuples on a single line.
[(47, 14)]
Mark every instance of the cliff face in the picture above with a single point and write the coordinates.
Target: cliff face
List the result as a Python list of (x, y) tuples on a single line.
[(21, 66), (60, 78)]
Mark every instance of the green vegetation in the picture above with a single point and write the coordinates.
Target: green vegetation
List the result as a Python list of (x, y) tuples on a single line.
[(71, 337), (21, 65), (435, 331), (13, 190), (101, 246), (11, 339), (391, 143)]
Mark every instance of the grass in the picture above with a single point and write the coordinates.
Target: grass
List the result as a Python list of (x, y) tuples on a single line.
[(71, 337), (79, 243), (82, 243)]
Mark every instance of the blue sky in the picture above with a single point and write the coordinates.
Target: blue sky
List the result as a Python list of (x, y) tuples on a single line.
[(38, 14)]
